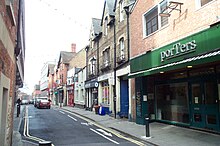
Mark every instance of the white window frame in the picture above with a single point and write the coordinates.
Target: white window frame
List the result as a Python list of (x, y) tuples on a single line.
[(199, 3), (121, 10), (106, 26), (158, 7), (122, 48)]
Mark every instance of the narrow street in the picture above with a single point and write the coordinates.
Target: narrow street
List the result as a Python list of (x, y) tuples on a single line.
[(63, 129)]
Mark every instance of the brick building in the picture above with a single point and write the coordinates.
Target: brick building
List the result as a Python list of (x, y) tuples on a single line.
[(175, 62), (12, 53)]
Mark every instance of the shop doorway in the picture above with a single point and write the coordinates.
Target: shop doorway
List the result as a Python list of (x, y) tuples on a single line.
[(204, 104)]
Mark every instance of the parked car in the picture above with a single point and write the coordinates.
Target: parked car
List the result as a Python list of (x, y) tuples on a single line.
[(43, 102), (31, 101), (24, 101)]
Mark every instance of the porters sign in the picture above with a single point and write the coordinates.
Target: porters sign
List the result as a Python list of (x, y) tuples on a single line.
[(178, 50)]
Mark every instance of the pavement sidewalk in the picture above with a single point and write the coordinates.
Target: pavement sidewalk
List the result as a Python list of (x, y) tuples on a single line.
[(161, 134)]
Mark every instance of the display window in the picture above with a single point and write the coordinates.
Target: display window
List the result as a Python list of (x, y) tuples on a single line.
[(105, 93), (172, 102)]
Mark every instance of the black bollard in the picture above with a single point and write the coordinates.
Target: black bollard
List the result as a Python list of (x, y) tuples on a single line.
[(147, 120), (18, 110), (45, 143)]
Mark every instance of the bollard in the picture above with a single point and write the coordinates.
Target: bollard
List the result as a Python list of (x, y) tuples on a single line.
[(18, 110), (147, 119), (45, 143)]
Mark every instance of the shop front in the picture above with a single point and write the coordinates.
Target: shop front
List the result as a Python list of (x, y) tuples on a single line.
[(180, 83), (70, 95), (91, 87)]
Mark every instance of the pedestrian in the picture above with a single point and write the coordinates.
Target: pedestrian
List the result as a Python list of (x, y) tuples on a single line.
[(18, 106)]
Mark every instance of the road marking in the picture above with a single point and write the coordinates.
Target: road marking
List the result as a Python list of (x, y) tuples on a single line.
[(104, 136), (62, 112), (107, 129), (104, 132), (26, 128), (72, 118)]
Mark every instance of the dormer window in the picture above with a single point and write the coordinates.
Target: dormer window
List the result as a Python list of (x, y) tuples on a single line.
[(121, 9), (106, 26)]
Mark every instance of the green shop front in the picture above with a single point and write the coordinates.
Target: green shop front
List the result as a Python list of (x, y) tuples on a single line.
[(180, 82)]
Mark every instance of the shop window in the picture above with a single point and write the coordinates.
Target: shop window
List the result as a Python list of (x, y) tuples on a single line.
[(210, 93), (211, 119), (172, 102), (105, 93)]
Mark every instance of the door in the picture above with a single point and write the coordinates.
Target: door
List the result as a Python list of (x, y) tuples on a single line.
[(124, 98), (204, 104)]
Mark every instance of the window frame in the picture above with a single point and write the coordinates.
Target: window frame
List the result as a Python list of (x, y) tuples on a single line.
[(122, 47), (121, 10), (199, 3), (156, 7)]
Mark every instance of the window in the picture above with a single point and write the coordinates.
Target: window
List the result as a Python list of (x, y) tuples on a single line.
[(105, 93), (122, 46), (164, 20), (106, 26), (203, 2), (121, 6), (152, 21), (92, 66), (106, 57)]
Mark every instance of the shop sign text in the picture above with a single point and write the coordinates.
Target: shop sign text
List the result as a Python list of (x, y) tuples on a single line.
[(177, 50)]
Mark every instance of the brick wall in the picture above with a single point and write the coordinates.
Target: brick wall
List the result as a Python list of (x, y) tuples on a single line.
[(191, 20)]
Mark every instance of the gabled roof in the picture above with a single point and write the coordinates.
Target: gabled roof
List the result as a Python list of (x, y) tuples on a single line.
[(50, 69), (66, 57), (109, 7), (96, 28)]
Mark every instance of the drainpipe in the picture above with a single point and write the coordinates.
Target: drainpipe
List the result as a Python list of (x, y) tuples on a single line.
[(114, 99)]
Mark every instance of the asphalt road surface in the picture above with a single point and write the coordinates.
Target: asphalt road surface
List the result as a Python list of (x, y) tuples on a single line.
[(66, 129)]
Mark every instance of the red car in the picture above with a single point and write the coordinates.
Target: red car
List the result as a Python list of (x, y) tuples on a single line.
[(43, 102)]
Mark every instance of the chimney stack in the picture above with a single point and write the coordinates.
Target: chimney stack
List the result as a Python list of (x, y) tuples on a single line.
[(73, 48)]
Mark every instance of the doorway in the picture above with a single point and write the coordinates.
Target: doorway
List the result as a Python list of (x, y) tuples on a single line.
[(204, 104)]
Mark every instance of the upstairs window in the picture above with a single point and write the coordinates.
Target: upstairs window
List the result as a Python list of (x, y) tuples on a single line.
[(92, 64), (203, 2), (164, 20), (122, 48), (152, 20), (106, 26), (106, 57), (121, 8)]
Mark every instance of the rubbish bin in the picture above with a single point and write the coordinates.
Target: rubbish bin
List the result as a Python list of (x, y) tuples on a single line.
[(101, 111)]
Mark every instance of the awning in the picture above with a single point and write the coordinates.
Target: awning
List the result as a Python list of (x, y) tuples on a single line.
[(199, 59)]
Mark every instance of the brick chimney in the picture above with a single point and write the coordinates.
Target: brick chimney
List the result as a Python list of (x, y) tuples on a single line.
[(73, 48)]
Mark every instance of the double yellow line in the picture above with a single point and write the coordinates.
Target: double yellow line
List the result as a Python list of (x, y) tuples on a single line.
[(26, 128)]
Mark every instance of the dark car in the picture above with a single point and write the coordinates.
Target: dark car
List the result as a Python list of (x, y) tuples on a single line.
[(43, 102)]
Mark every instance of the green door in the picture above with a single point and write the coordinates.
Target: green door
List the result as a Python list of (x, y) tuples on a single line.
[(204, 104)]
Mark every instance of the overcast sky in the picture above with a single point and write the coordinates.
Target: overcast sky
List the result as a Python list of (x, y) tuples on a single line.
[(51, 27)]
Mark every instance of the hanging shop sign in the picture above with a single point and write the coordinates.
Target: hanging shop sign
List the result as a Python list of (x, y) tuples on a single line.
[(178, 50)]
